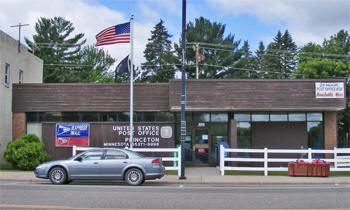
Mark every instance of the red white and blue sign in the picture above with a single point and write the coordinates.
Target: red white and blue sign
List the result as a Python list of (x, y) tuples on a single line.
[(68, 135)]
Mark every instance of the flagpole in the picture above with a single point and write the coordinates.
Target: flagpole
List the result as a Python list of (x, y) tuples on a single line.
[(131, 81)]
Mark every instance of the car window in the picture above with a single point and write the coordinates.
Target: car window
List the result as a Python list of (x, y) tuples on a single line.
[(93, 155), (115, 154)]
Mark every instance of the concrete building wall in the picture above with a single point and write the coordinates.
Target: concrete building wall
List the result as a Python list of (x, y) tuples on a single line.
[(32, 68)]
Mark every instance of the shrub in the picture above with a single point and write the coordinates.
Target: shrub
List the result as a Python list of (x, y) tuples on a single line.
[(26, 152)]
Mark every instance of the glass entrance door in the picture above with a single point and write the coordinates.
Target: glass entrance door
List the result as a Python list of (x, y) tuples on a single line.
[(201, 146)]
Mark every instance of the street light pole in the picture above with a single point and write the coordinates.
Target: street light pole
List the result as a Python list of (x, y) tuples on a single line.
[(183, 92)]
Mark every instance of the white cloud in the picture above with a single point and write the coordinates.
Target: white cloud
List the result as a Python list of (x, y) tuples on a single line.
[(306, 20), (86, 18)]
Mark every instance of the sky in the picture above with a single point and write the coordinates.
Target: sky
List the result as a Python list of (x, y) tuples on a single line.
[(251, 20)]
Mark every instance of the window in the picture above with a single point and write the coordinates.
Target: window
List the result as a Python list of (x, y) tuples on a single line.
[(7, 74), (20, 77), (242, 117), (93, 155), (281, 117), (219, 117), (314, 116), (115, 154), (201, 117), (260, 117), (244, 135), (296, 116)]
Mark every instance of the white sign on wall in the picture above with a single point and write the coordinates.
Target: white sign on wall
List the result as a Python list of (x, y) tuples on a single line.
[(329, 90)]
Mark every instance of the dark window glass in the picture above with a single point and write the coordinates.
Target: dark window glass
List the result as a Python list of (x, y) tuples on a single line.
[(90, 117), (315, 137), (149, 116), (218, 132), (52, 117), (124, 116), (201, 117), (244, 134), (71, 116), (164, 117), (34, 116)]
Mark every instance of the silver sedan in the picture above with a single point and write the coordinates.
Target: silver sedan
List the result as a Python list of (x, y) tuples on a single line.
[(103, 163)]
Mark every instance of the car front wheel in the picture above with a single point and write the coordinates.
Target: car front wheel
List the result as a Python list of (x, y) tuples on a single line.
[(58, 175), (134, 177)]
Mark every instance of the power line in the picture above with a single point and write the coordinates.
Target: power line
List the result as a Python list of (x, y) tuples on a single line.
[(284, 51)]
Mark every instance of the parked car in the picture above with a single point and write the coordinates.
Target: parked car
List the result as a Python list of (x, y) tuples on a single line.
[(103, 163)]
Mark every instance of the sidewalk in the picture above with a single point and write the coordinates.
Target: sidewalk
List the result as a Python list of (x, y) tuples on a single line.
[(206, 176)]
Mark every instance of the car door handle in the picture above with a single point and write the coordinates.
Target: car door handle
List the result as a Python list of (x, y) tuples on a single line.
[(95, 162), (125, 162)]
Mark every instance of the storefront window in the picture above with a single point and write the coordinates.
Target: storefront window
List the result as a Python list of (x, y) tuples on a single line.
[(218, 133), (71, 116), (164, 117), (244, 135), (90, 117), (34, 116), (52, 117), (315, 116), (315, 136), (260, 117), (296, 117), (34, 128), (282, 117), (109, 116), (242, 116), (219, 117), (124, 116), (201, 117)]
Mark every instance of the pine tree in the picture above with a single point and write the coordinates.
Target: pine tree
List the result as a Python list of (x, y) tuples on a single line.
[(259, 60), (53, 44), (94, 66), (280, 58), (159, 65)]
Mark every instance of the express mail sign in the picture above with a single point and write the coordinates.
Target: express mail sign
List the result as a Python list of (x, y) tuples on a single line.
[(68, 135)]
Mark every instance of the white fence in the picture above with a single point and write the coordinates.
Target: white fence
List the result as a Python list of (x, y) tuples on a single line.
[(176, 160), (341, 158)]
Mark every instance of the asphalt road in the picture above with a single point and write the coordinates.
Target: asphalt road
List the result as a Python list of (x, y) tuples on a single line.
[(115, 195)]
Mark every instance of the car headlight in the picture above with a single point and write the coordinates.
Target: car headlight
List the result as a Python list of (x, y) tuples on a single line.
[(42, 166)]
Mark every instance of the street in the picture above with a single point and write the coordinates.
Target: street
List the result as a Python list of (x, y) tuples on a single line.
[(117, 195)]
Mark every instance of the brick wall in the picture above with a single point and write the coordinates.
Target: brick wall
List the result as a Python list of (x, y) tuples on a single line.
[(330, 130), (19, 125)]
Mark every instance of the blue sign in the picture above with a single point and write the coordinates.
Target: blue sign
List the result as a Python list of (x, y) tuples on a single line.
[(72, 130), (72, 134)]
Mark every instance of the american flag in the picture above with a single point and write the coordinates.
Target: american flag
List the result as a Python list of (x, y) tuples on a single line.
[(114, 35)]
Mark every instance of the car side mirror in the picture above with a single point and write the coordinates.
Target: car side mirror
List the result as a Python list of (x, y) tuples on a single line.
[(78, 159)]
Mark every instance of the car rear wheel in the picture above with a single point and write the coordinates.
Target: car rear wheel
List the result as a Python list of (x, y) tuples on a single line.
[(58, 175), (134, 177)]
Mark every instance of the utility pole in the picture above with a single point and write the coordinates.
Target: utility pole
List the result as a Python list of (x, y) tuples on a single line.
[(197, 58), (183, 92), (19, 34)]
